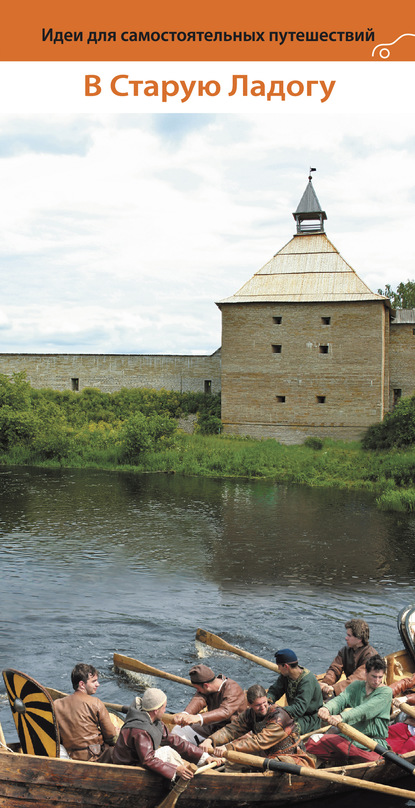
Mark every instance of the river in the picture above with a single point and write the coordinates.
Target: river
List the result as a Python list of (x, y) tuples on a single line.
[(94, 562)]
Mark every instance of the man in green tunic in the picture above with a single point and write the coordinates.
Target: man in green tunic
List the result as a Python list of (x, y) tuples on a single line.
[(370, 705), (301, 688)]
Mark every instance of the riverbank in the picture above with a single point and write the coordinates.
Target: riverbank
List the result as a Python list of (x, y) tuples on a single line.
[(332, 464), (139, 430)]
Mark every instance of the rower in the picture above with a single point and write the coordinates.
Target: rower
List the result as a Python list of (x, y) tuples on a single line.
[(145, 741), (218, 697), (370, 702), (350, 660), (301, 689), (262, 729)]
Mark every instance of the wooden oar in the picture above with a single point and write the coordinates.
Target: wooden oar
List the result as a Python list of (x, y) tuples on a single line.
[(135, 665), (216, 642), (317, 774), (2, 738), (407, 708), (181, 785), (167, 718), (319, 731), (59, 694), (370, 743)]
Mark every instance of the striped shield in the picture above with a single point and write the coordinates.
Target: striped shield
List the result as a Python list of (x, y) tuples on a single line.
[(33, 714)]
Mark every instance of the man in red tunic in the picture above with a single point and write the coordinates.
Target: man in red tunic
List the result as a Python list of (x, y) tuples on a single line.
[(401, 735)]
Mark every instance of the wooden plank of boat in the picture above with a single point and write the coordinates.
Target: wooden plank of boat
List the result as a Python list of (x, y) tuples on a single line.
[(28, 780)]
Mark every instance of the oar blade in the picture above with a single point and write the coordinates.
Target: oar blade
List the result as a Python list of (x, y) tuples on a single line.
[(214, 641), (134, 665), (174, 794)]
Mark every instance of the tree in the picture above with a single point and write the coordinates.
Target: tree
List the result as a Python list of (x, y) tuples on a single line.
[(403, 298)]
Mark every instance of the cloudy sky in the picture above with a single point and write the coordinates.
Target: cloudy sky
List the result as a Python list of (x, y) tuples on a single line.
[(119, 232)]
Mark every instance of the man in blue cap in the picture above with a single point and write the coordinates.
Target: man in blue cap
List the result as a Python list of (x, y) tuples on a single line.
[(301, 688)]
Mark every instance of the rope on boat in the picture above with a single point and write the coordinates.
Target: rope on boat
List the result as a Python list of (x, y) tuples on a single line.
[(7, 748)]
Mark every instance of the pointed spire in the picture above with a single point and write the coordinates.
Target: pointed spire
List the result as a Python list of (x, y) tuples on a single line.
[(309, 215)]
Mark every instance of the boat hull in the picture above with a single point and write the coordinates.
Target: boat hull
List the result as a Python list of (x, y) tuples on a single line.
[(31, 781), (27, 781)]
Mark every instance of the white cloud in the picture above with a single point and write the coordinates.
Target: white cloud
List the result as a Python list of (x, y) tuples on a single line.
[(119, 232)]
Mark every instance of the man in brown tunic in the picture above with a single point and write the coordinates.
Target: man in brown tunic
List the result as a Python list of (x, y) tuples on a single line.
[(262, 729), (85, 727), (222, 699), (350, 660)]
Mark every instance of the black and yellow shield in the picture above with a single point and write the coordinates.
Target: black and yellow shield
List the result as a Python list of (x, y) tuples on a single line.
[(33, 714)]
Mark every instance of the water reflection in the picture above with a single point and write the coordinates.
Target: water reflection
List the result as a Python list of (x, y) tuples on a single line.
[(93, 562)]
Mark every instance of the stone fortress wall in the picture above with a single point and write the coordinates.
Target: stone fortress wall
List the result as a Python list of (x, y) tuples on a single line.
[(112, 372)]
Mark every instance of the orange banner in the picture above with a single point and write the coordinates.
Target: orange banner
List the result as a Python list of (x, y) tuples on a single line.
[(215, 31)]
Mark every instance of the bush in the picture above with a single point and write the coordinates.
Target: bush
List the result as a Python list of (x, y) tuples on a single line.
[(313, 443), (16, 427), (14, 391), (396, 430), (208, 424), (141, 433), (55, 444)]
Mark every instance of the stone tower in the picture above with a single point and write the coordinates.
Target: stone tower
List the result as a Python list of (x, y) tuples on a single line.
[(305, 343)]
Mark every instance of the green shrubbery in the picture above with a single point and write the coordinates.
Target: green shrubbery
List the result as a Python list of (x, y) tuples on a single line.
[(91, 426), (397, 429), (141, 433), (137, 429)]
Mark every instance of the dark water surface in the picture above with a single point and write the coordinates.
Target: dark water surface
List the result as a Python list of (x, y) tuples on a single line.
[(94, 562)]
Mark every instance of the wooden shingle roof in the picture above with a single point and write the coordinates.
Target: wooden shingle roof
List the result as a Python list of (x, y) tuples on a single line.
[(307, 269)]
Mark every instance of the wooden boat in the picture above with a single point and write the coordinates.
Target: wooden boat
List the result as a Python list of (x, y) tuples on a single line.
[(35, 781)]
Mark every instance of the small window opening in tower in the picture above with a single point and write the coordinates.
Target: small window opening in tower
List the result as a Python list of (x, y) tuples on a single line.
[(280, 399), (75, 384), (323, 348), (326, 320), (208, 386), (277, 320), (276, 348), (321, 399), (397, 394)]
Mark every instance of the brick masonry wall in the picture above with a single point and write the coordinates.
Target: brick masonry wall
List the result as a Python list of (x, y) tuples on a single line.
[(113, 372), (274, 392), (402, 360)]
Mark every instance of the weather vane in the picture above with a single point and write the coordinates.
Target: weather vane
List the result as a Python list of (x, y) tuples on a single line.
[(311, 169)]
